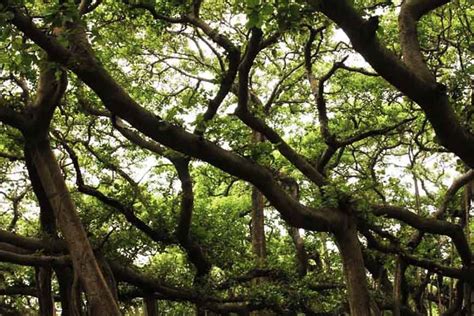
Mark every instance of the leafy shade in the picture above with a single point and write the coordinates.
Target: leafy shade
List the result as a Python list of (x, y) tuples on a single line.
[(251, 157)]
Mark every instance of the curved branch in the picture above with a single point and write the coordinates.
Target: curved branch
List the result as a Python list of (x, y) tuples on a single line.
[(194, 251), (32, 244), (410, 13), (11, 117), (432, 226), (11, 157), (430, 265), (457, 184), (430, 96), (127, 211), (119, 102)]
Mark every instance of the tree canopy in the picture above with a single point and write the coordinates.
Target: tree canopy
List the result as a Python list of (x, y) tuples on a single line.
[(253, 157)]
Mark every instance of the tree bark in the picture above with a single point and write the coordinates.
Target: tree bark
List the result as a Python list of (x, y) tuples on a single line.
[(151, 306), (43, 287), (397, 286), (354, 271), (258, 227), (108, 275), (98, 293), (69, 292), (301, 254)]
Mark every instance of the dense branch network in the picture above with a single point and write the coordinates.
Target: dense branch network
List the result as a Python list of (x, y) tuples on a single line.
[(345, 144)]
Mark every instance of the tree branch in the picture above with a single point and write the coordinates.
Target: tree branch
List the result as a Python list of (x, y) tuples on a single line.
[(411, 11), (432, 226), (120, 103), (430, 96)]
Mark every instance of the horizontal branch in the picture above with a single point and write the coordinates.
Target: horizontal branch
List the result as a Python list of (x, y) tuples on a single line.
[(53, 246), (432, 226), (19, 290), (11, 117), (33, 260), (457, 184), (430, 265), (11, 157)]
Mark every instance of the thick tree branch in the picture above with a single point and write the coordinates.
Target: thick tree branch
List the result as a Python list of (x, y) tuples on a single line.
[(432, 226), (33, 260), (11, 157), (119, 102), (151, 9), (224, 88), (194, 251), (430, 265), (430, 96), (11, 117), (32, 244), (52, 84), (19, 290), (411, 11)]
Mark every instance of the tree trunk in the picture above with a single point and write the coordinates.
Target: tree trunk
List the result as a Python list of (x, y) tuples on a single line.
[(151, 306), (200, 311), (98, 293), (354, 271), (258, 218), (468, 299), (397, 286), (49, 231), (258, 227), (465, 223), (69, 296), (108, 275), (43, 287), (301, 254)]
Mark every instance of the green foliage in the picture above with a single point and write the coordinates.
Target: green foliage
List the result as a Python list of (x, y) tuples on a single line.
[(174, 70)]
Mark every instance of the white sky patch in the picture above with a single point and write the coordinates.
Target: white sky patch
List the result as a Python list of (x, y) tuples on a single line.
[(354, 60), (340, 36)]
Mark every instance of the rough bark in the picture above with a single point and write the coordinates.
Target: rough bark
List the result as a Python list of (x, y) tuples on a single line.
[(49, 231), (52, 193), (301, 254), (69, 292), (98, 293), (258, 227), (45, 294), (397, 286), (354, 272)]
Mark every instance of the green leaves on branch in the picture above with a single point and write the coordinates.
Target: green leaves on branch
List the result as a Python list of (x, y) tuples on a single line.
[(261, 13), (258, 12)]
